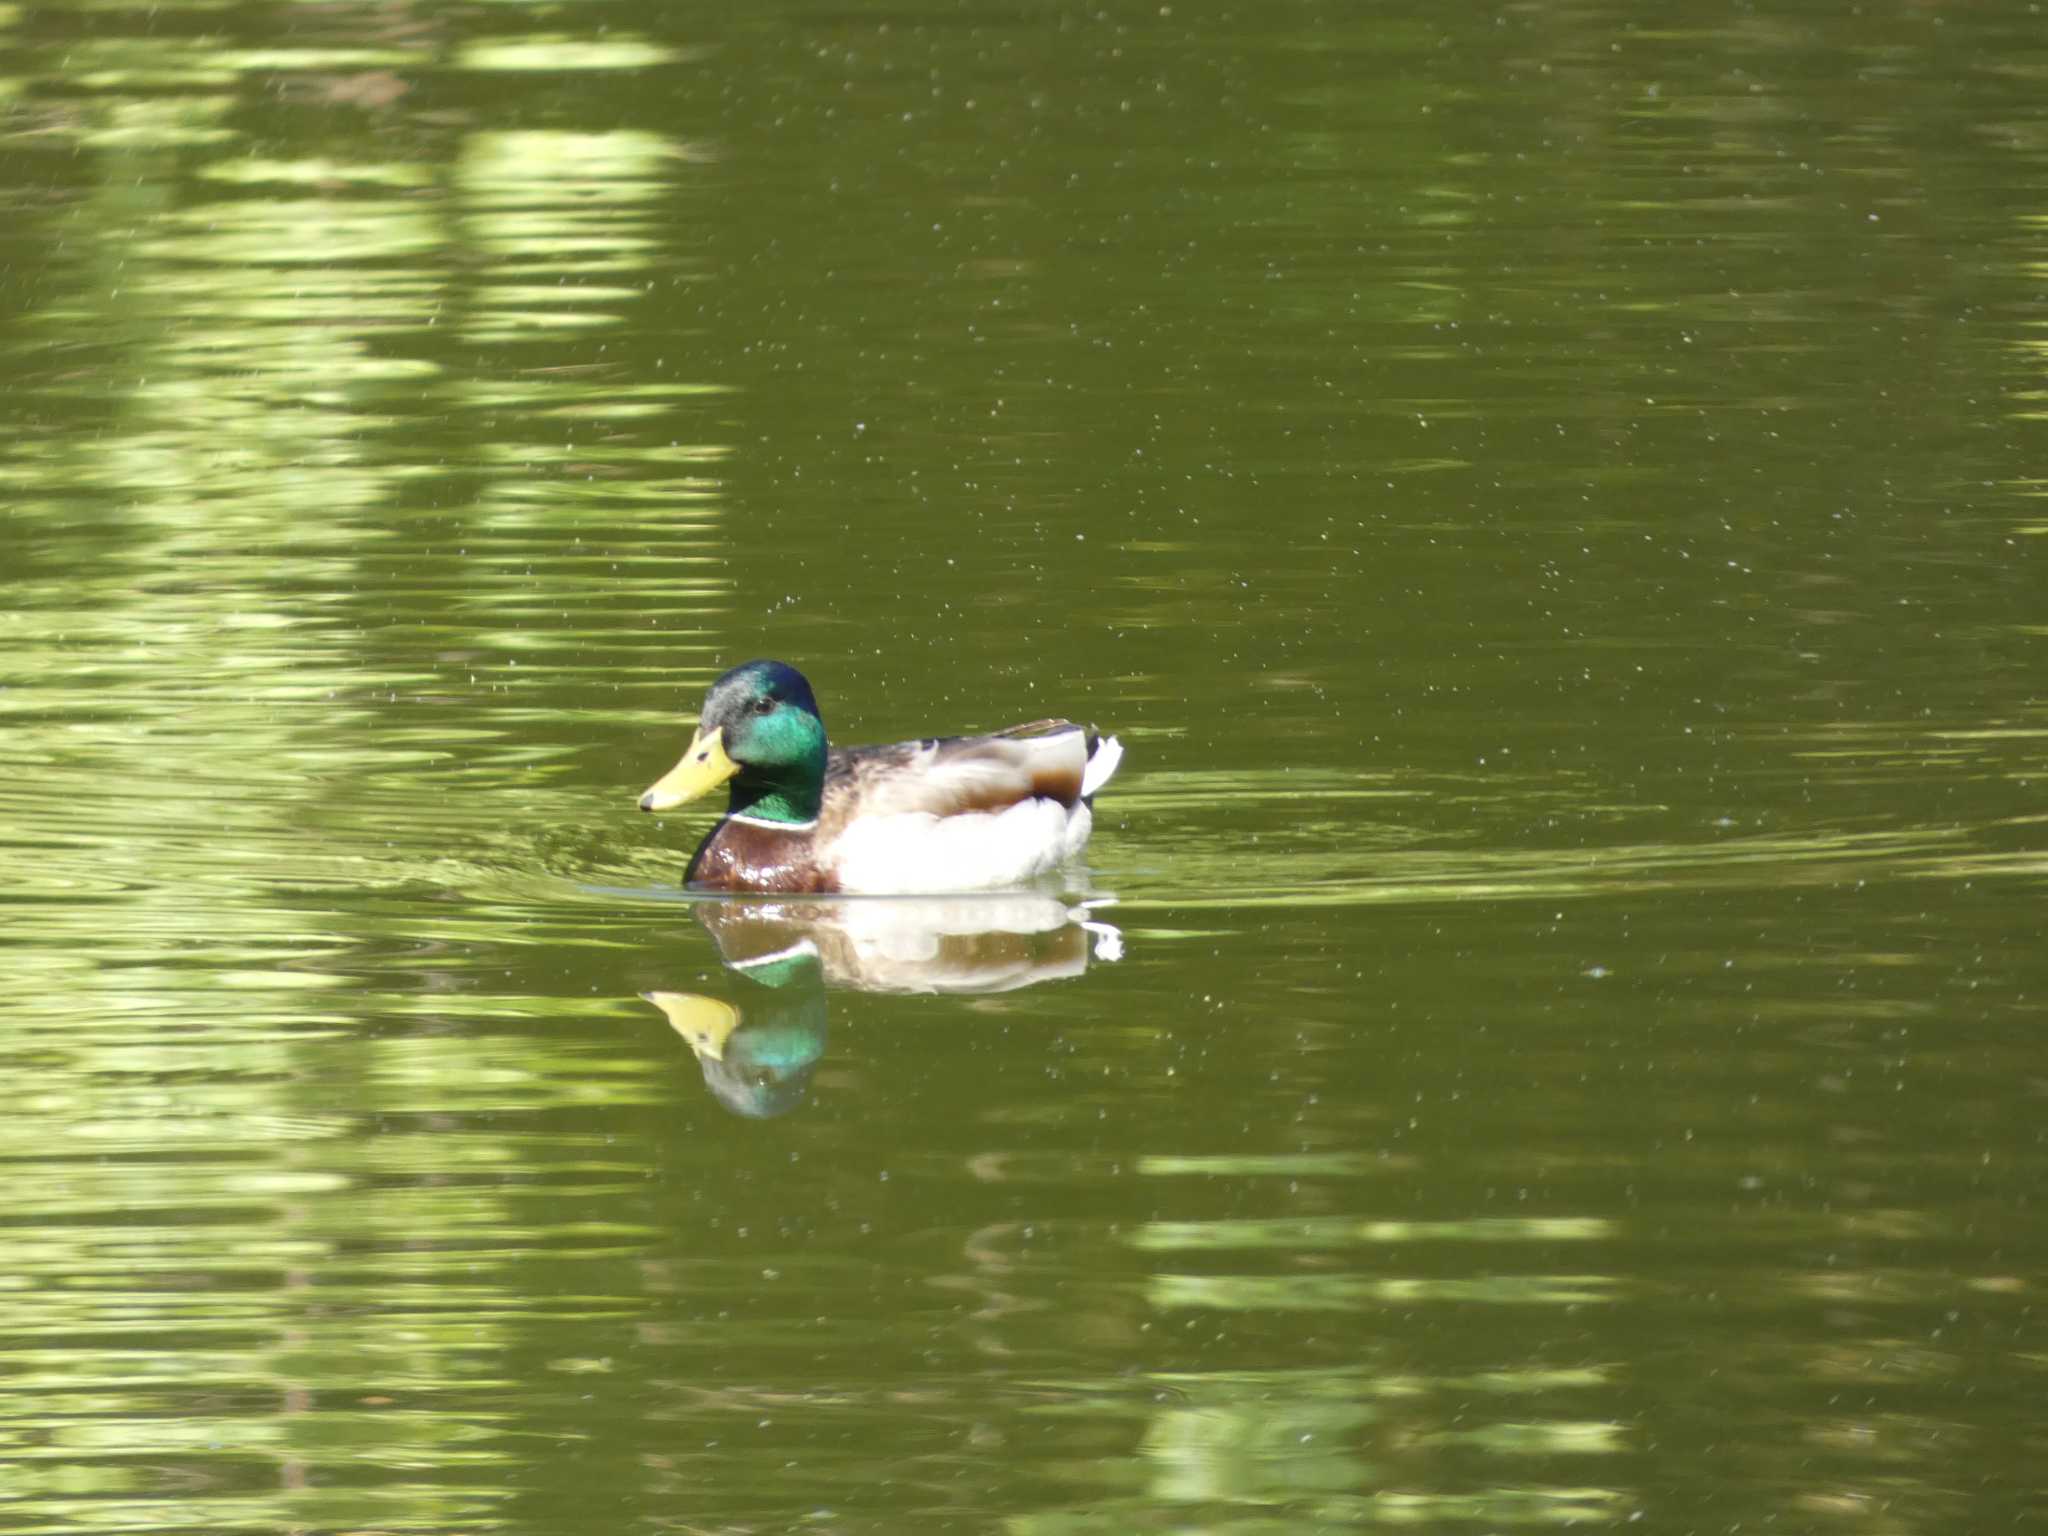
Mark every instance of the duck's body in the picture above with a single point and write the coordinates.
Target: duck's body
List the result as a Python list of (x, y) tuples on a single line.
[(950, 814)]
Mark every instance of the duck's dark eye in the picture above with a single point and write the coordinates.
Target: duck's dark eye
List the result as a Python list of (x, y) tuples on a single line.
[(764, 705)]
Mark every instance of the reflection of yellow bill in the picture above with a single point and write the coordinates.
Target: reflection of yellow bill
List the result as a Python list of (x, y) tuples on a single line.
[(704, 1022), (703, 768)]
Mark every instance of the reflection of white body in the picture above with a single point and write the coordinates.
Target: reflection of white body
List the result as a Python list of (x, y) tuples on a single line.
[(916, 944)]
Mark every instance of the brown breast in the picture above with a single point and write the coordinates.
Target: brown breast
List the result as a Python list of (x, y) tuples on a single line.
[(748, 856)]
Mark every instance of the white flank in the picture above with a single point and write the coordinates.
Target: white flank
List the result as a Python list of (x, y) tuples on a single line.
[(1080, 822), (897, 849), (1101, 764), (916, 852)]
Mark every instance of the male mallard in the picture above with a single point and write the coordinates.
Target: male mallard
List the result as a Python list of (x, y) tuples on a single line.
[(959, 813)]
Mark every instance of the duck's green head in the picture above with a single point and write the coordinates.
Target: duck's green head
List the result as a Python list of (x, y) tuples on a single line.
[(760, 730)]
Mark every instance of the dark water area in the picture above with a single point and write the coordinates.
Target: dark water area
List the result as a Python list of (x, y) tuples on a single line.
[(1548, 1030)]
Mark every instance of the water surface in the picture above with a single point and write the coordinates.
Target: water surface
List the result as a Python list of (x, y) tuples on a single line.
[(1548, 1029)]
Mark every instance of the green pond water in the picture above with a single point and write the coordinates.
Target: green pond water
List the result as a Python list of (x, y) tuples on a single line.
[(1550, 1031)]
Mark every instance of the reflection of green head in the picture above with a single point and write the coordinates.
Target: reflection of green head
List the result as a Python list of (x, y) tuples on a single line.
[(767, 1061), (772, 731), (758, 1050)]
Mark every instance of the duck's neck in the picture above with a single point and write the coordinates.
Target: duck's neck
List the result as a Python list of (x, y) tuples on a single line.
[(782, 768), (791, 799)]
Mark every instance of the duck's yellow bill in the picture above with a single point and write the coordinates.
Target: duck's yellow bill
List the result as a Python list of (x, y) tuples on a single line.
[(703, 768), (704, 1022)]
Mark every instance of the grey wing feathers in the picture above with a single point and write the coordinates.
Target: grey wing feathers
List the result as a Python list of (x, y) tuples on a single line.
[(956, 774)]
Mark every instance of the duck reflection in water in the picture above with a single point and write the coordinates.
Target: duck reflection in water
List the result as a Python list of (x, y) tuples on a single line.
[(757, 1052)]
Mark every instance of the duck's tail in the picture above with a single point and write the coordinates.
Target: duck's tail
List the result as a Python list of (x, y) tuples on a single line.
[(1104, 753)]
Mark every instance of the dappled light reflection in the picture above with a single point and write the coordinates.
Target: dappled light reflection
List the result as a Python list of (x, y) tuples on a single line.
[(291, 430), (1350, 1443)]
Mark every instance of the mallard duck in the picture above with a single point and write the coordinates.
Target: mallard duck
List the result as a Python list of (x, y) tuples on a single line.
[(957, 813)]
